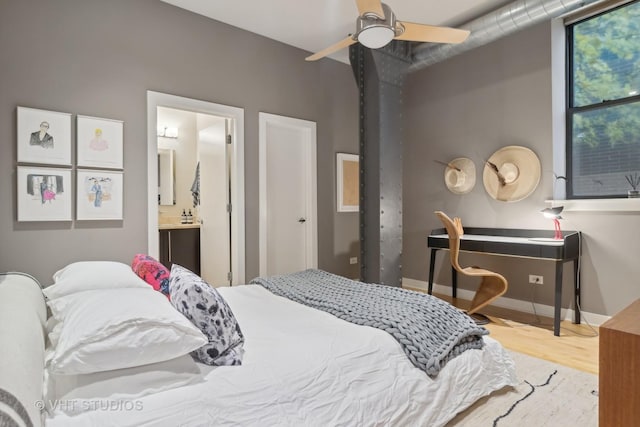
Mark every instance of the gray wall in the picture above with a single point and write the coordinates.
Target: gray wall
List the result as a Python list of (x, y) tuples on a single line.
[(98, 58), (470, 106)]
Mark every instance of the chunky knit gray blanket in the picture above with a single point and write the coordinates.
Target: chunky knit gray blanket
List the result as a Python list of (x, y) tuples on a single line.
[(430, 330)]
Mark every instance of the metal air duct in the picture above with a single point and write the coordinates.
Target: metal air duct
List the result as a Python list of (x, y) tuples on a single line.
[(506, 20)]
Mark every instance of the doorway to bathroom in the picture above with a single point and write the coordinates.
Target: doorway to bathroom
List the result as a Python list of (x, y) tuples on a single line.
[(206, 144)]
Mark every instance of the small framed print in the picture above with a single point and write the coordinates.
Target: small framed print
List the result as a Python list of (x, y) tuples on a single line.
[(348, 178), (43, 137), (99, 195), (44, 194), (100, 143)]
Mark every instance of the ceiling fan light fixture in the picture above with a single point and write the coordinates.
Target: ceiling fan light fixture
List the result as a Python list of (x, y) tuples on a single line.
[(374, 32), (376, 26), (376, 36)]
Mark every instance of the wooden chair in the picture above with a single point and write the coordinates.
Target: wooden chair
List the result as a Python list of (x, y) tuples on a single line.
[(493, 285)]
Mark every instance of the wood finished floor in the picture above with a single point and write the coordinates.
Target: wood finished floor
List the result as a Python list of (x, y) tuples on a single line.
[(576, 347)]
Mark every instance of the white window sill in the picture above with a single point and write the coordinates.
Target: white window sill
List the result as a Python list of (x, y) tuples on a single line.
[(598, 205)]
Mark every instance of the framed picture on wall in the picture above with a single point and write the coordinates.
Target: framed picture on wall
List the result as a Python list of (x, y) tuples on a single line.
[(348, 180), (99, 195), (100, 143), (44, 194), (43, 137)]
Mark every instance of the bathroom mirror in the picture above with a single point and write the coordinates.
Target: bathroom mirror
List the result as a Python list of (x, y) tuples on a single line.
[(166, 177)]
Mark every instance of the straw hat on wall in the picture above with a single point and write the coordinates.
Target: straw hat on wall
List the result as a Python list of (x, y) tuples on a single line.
[(512, 173), (460, 175)]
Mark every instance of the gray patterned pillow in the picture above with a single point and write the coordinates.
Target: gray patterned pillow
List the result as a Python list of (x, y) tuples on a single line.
[(209, 312)]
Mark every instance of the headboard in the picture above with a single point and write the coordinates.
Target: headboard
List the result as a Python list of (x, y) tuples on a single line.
[(23, 315)]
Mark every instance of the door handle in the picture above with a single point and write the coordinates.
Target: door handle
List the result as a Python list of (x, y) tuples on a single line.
[(301, 220)]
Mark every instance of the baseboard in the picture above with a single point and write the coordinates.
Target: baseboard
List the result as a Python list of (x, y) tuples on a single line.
[(510, 303)]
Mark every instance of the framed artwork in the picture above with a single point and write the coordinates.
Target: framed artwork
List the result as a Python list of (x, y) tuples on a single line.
[(44, 194), (100, 143), (99, 195), (348, 180), (44, 137)]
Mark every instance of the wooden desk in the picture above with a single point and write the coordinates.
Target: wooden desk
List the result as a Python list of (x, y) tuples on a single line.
[(619, 370), (519, 243)]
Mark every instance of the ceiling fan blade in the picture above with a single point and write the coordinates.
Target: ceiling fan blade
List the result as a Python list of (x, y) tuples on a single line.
[(431, 34), (370, 6), (329, 50)]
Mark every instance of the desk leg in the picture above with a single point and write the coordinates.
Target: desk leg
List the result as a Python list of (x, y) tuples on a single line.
[(454, 283), (576, 292), (558, 299), (431, 267)]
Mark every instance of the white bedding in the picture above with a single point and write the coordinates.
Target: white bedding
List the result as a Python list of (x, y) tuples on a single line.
[(304, 367)]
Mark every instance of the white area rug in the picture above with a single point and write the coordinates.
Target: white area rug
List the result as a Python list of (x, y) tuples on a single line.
[(567, 398)]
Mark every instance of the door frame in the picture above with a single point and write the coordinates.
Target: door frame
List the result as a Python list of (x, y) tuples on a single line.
[(311, 228), (157, 99)]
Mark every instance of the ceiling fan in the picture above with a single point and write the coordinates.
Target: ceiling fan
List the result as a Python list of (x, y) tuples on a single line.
[(377, 26)]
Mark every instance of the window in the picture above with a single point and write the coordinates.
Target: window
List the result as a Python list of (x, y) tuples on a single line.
[(603, 100)]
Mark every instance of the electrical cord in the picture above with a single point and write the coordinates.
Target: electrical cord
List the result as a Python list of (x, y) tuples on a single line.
[(538, 322), (578, 308)]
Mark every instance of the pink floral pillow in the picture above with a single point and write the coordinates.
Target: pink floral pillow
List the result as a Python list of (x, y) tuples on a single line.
[(152, 272)]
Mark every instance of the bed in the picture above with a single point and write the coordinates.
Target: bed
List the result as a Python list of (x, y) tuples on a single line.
[(300, 366)]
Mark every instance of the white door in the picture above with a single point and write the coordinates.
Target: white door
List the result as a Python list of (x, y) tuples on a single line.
[(215, 245), (288, 220)]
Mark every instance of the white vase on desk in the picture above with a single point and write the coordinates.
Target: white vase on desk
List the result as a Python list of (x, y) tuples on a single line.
[(632, 194)]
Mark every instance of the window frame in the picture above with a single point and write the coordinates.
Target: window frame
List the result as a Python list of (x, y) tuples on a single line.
[(571, 110)]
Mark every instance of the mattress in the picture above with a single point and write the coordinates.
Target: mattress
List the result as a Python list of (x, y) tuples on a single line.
[(304, 367)]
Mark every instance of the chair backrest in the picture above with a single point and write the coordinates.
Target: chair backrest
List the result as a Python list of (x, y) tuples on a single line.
[(454, 238)]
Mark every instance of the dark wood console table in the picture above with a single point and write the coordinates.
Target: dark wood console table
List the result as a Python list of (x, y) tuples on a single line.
[(519, 243)]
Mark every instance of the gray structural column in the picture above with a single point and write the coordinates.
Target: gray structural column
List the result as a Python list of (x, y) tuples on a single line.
[(380, 75)]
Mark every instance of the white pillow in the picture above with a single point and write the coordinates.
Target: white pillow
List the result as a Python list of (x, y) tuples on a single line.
[(73, 394), (92, 275), (117, 328)]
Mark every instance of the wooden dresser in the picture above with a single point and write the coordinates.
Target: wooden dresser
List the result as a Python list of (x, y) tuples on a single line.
[(620, 369)]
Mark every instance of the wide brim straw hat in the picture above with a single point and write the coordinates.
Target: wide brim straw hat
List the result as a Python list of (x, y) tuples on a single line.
[(463, 180), (520, 168)]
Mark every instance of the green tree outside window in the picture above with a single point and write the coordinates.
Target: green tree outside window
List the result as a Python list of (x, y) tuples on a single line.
[(604, 109)]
